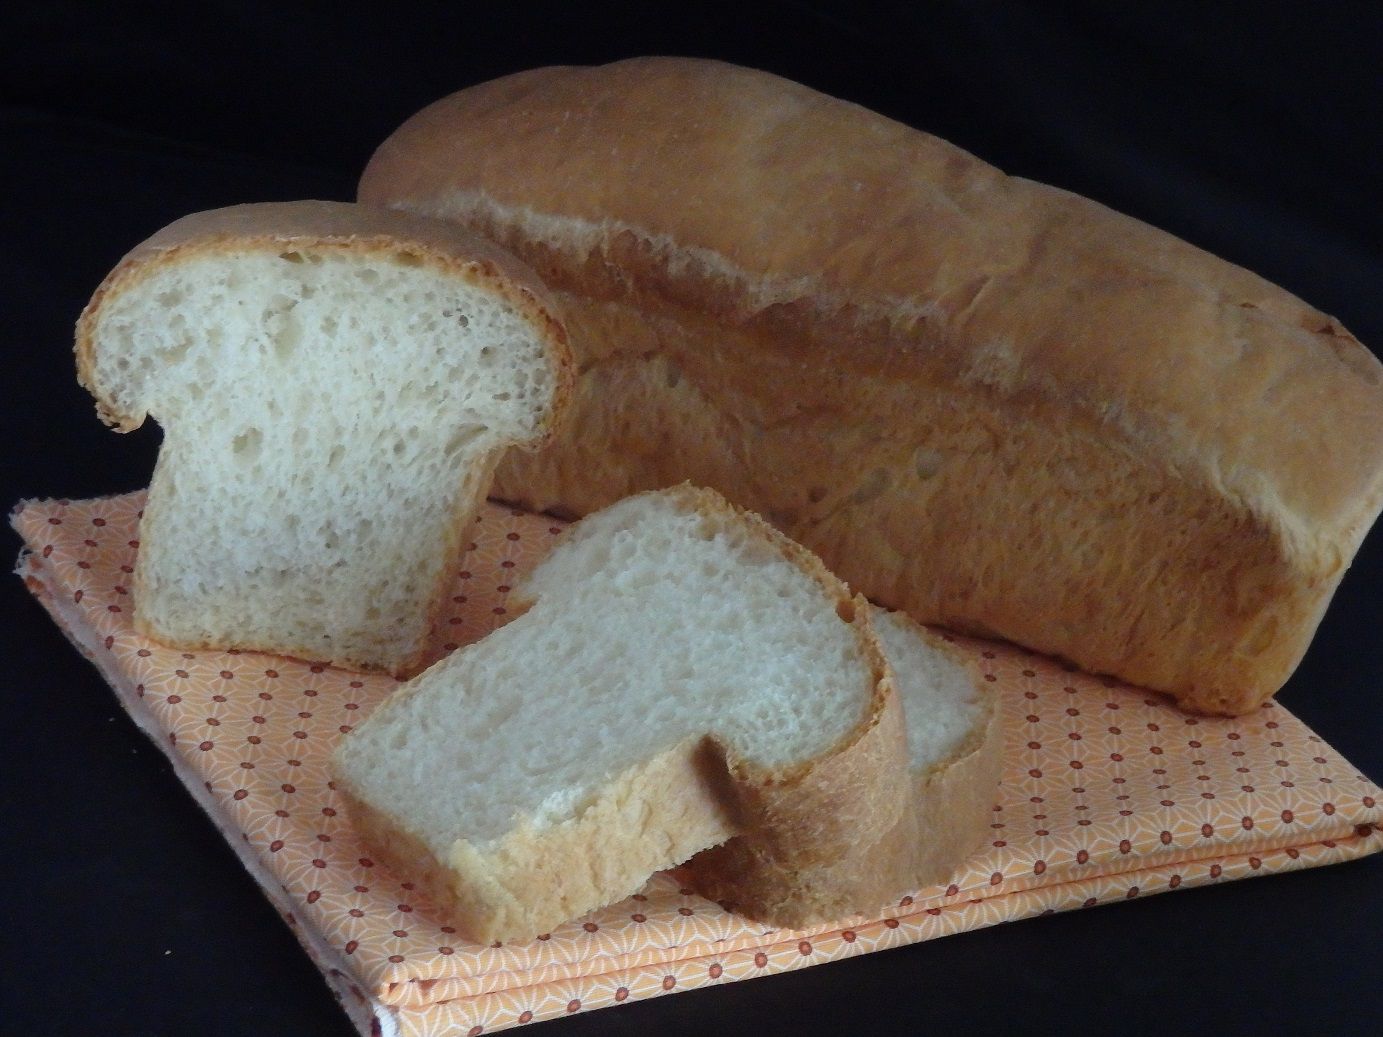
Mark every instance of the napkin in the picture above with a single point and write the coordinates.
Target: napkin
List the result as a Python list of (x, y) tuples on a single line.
[(1109, 793)]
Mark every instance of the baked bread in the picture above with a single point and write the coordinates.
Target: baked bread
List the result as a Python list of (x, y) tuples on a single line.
[(955, 759), (684, 675), (991, 403), (335, 384), (955, 744)]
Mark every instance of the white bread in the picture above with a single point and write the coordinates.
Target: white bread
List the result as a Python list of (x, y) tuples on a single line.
[(988, 402), (955, 758), (684, 677), (955, 743), (334, 384)]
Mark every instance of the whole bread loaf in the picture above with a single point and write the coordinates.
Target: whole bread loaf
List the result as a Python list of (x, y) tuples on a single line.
[(335, 384), (988, 402)]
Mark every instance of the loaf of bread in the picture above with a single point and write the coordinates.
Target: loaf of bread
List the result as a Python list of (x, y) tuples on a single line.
[(335, 384), (684, 676), (988, 402)]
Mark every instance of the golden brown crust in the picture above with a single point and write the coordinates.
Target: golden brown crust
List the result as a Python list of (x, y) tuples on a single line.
[(947, 810), (832, 840), (805, 304), (535, 879)]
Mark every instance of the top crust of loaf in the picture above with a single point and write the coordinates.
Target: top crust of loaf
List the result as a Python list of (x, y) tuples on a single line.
[(756, 199), (286, 226)]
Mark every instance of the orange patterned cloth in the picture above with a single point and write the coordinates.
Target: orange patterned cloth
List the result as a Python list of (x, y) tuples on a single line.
[(1109, 793)]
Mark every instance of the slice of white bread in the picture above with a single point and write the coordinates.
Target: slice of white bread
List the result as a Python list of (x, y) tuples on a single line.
[(684, 677), (335, 384), (955, 758), (955, 743)]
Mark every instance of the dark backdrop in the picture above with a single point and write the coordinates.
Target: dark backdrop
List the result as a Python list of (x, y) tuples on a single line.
[(1251, 130)]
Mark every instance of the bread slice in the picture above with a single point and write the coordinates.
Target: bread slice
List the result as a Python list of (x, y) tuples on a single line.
[(955, 743), (955, 756), (685, 677), (335, 384)]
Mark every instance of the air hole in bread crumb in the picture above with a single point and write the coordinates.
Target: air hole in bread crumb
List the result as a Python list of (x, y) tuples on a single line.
[(285, 330), (246, 446), (408, 259), (291, 257)]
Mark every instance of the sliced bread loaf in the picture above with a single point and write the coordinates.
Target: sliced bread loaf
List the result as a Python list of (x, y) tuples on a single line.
[(335, 384), (703, 680)]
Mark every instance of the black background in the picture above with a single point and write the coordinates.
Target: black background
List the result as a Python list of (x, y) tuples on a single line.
[(1251, 130)]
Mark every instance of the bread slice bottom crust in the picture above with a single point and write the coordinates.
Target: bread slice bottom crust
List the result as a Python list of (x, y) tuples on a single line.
[(653, 816)]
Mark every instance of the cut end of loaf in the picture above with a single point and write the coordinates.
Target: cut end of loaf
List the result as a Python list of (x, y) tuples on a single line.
[(334, 385)]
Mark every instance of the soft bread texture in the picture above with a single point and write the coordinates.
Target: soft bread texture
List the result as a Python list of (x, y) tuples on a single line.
[(335, 384), (706, 681), (988, 402), (955, 743)]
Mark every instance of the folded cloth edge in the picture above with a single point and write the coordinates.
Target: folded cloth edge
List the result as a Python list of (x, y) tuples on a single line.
[(365, 1011)]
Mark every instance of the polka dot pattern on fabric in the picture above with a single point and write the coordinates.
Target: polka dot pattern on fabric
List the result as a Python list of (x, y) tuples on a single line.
[(1109, 794)]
